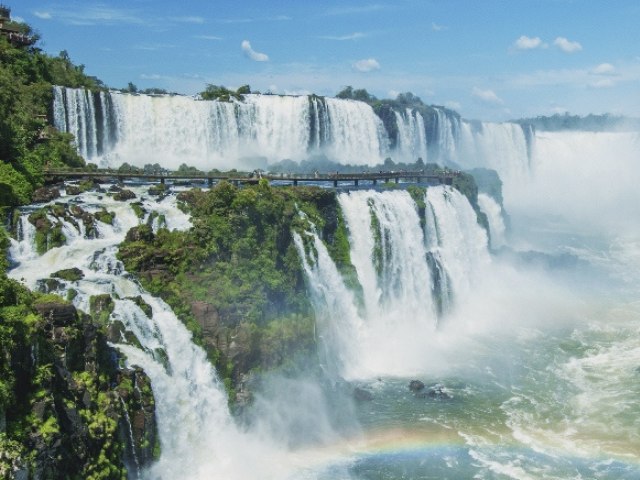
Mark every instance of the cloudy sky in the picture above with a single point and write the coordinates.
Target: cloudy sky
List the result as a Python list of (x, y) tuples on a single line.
[(487, 59)]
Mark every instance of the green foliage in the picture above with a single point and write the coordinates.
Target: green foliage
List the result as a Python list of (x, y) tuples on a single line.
[(15, 188), (239, 260), (219, 92), (27, 144)]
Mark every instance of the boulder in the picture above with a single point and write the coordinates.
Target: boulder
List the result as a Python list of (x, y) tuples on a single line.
[(124, 194), (435, 392), (416, 385), (45, 194), (72, 190), (70, 274)]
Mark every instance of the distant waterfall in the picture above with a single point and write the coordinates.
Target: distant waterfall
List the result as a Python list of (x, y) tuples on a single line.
[(111, 128), (409, 273), (412, 140)]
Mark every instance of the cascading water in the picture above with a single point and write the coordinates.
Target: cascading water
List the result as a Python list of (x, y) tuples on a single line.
[(402, 290), (493, 211), (412, 141), (111, 128), (143, 129), (198, 436)]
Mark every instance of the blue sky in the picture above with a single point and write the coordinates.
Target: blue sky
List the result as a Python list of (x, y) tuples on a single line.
[(487, 59)]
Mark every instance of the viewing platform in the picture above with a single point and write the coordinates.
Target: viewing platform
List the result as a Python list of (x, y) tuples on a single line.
[(335, 179)]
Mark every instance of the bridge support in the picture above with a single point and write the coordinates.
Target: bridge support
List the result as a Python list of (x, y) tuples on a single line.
[(210, 181), (356, 182), (295, 183), (375, 181), (397, 179), (335, 183), (162, 180)]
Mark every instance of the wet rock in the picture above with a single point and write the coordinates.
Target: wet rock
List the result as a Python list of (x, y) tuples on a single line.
[(48, 285), (58, 314), (70, 274), (435, 392), (158, 190), (72, 190), (362, 395), (416, 385), (124, 194), (45, 194)]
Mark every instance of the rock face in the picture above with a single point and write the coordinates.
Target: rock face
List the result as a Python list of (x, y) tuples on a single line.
[(45, 194), (85, 416)]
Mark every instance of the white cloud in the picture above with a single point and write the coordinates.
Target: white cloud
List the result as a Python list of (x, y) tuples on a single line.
[(567, 46), (603, 83), (487, 96), (366, 65), (93, 15), (351, 36), (252, 54), (604, 69), (189, 19), (18, 19), (393, 94), (438, 28), (528, 43), (207, 37)]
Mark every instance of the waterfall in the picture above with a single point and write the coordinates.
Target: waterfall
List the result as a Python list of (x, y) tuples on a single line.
[(198, 436), (460, 241), (408, 273), (493, 211), (502, 147), (112, 127), (412, 141), (446, 135)]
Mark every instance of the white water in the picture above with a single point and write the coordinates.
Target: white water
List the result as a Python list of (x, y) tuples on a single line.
[(113, 128), (198, 436), (389, 250), (412, 142), (494, 213)]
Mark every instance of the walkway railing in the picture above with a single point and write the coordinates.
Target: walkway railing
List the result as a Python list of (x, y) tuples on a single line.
[(336, 178)]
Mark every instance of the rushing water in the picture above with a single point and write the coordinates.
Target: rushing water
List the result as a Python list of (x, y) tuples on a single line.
[(531, 361), (111, 128)]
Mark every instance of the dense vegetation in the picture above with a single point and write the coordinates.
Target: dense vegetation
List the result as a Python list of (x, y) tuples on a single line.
[(236, 273), (63, 397), (26, 143)]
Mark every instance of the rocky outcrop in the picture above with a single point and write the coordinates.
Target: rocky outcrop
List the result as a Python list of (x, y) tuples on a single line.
[(45, 194), (124, 195), (84, 415)]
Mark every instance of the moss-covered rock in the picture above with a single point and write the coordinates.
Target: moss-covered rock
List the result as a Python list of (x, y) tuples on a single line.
[(70, 274), (104, 216), (124, 195)]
